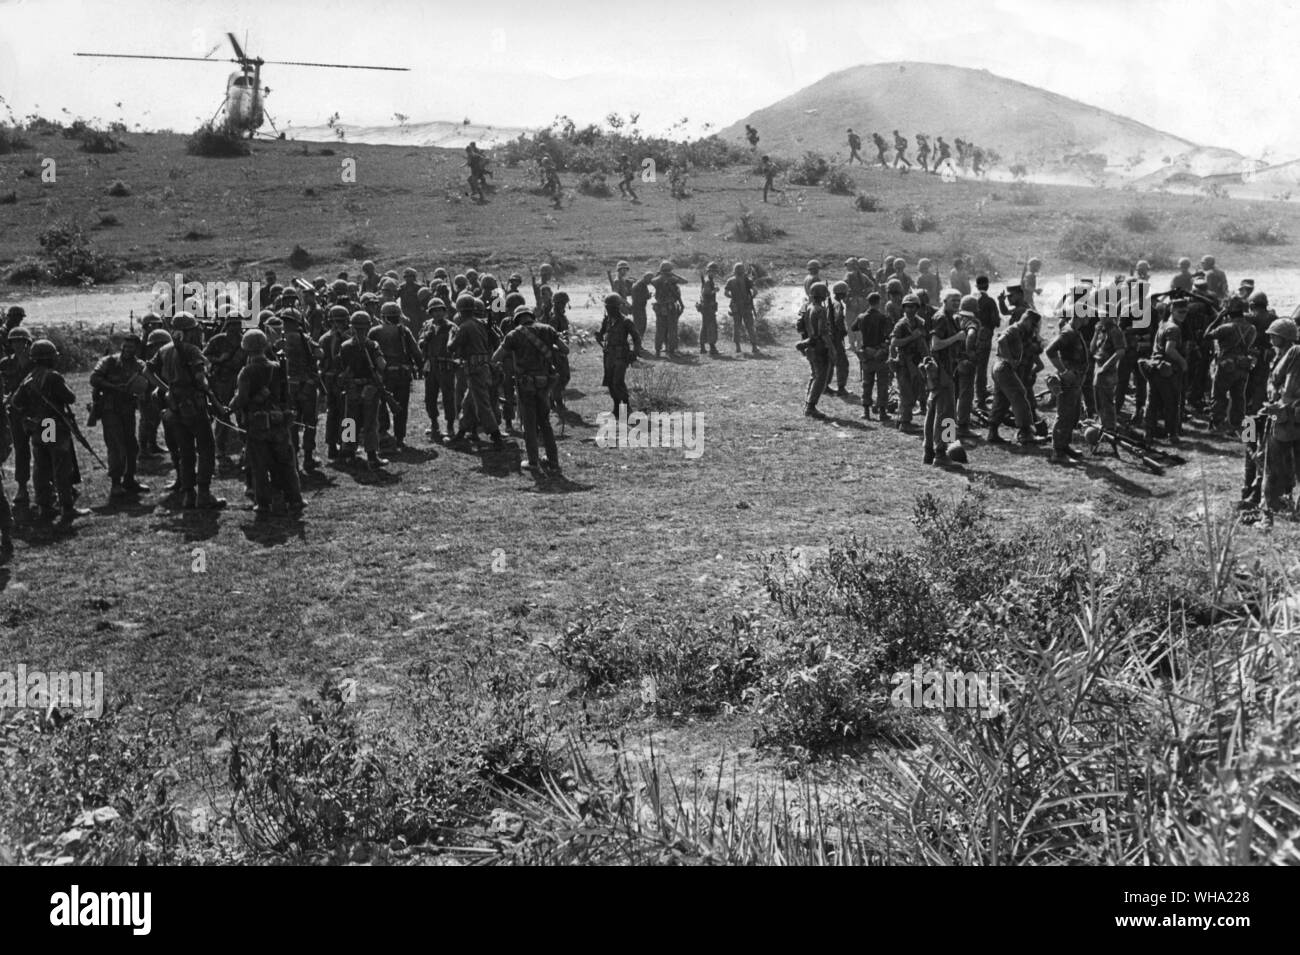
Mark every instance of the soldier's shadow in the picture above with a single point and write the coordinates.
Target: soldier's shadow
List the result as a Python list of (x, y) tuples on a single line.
[(556, 484), (274, 532), (761, 356), (196, 525), (40, 533), (501, 463), (1208, 447), (999, 481), (1111, 476), (410, 455), (131, 507)]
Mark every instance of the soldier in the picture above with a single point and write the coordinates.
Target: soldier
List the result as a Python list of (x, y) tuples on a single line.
[(478, 173), (1009, 386), (1030, 282), (534, 349), (668, 308), (860, 286), (360, 365), (150, 404), (1200, 316), (14, 316), (900, 275), (855, 143), (563, 374), (188, 418), (370, 278), (740, 295), (6, 512), (769, 171), (947, 349), (1261, 316), (620, 341), (1234, 340), (472, 345), (945, 154), (225, 358), (818, 346), (263, 402), (923, 156), (622, 285), (900, 151), (871, 331), (440, 370), (551, 181), (118, 381), (545, 279), (269, 290), (1182, 281), (43, 401), (1283, 408), (751, 134), (626, 176), (839, 332), (958, 277), (1215, 278), (986, 310), (1069, 356), (925, 279), (1165, 374), (641, 290), (880, 145), (331, 347), (707, 306), (1107, 353), (14, 367), (408, 297), (1137, 323), (1016, 296), (402, 360), (301, 371)]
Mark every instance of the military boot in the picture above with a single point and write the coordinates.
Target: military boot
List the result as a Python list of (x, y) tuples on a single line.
[(21, 499), (71, 512), (206, 501)]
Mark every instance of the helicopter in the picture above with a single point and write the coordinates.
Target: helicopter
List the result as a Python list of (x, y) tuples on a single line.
[(243, 107)]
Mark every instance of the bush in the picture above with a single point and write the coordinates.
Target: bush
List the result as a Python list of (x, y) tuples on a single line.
[(119, 189), (12, 140), (686, 221), (866, 203), (1018, 170), (101, 142), (655, 387), (1139, 220), (80, 344), (28, 271), (594, 184), (9, 198), (71, 260), (40, 126), (1098, 245), (917, 219), (216, 142), (838, 182), (748, 226), (1025, 194), (355, 240), (300, 258), (109, 220), (1238, 232), (809, 170)]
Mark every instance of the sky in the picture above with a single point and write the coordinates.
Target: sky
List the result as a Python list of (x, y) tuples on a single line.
[(1220, 73)]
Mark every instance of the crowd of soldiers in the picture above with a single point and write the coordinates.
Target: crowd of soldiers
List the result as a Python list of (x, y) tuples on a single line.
[(932, 159), (1196, 347), (219, 391)]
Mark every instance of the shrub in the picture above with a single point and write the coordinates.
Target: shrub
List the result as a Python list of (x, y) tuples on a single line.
[(686, 220), (748, 226), (809, 170), (355, 240), (300, 258), (12, 140), (1098, 245), (108, 220), (119, 189), (917, 219), (216, 142), (594, 184), (866, 203), (1139, 220), (28, 271), (40, 126), (838, 182), (1018, 170), (655, 387), (101, 142), (80, 344), (9, 198), (1239, 232), (72, 261)]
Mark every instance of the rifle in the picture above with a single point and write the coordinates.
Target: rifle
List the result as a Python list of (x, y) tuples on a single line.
[(384, 393), (71, 424), (1136, 448)]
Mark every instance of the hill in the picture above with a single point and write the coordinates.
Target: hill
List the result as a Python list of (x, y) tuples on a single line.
[(1023, 123)]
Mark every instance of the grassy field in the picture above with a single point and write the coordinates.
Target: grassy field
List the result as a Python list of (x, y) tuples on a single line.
[(230, 218), (455, 564)]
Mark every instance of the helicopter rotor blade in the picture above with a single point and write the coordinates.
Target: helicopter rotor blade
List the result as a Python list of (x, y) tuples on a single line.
[(337, 66), (144, 56), (235, 43)]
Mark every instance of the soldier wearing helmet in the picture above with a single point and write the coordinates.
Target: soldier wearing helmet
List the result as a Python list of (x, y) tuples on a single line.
[(1032, 281), (626, 176), (534, 351), (668, 307), (1282, 408), (472, 345), (44, 402), (740, 292), (640, 302), (330, 366), (150, 405), (1068, 354), (871, 333), (925, 279), (947, 348), (840, 331), (707, 306), (620, 342), (559, 320), (370, 278), (1215, 278), (439, 369), (117, 383), (225, 358), (813, 276), (262, 402), (14, 367), (900, 275), (188, 419), (361, 367), (622, 284), (855, 143), (299, 358), (1014, 348), (1182, 280), (1261, 316), (408, 297), (402, 364), (819, 344)]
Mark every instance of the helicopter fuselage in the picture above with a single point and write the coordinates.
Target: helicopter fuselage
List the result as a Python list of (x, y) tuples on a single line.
[(244, 101)]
